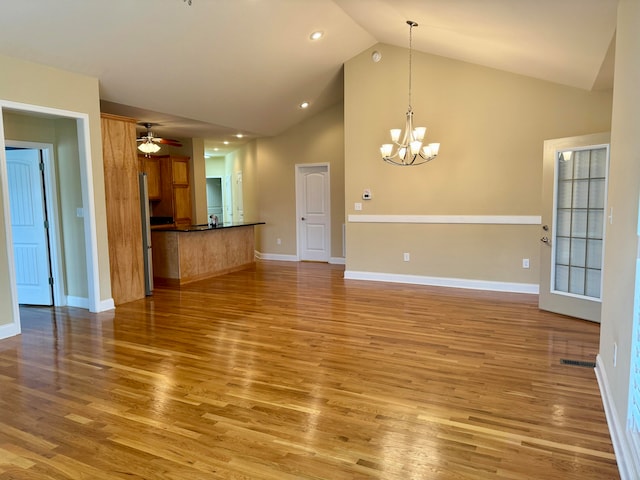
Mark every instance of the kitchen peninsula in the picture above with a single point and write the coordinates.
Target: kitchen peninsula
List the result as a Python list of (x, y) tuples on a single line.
[(185, 254)]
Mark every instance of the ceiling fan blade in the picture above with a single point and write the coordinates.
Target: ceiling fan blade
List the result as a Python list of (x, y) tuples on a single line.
[(167, 141)]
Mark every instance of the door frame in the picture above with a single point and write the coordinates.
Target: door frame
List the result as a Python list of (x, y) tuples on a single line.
[(52, 208), (88, 200), (300, 203)]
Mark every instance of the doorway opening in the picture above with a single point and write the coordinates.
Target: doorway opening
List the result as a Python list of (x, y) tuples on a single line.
[(82, 180), (215, 199)]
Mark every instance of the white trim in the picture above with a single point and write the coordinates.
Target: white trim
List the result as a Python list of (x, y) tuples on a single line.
[(79, 302), (107, 304), (444, 282), (12, 328), (294, 258), (83, 302), (277, 256), (9, 330), (91, 236), (627, 458), (450, 219)]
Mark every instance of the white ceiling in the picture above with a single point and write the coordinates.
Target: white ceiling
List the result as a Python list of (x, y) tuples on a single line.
[(219, 67)]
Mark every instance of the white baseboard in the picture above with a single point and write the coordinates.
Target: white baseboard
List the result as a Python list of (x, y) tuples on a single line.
[(627, 457), (80, 302), (105, 305), (531, 288), (9, 330), (276, 256), (294, 258)]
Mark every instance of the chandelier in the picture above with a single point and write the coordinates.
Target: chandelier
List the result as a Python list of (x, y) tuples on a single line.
[(409, 149)]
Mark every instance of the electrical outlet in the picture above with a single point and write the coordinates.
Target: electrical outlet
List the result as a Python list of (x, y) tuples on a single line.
[(406, 256), (525, 263), (279, 241), (357, 206)]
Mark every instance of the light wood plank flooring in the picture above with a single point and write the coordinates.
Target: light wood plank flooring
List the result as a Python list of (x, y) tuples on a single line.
[(290, 372)]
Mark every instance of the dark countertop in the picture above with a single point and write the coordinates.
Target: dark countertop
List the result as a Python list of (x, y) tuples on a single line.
[(204, 227)]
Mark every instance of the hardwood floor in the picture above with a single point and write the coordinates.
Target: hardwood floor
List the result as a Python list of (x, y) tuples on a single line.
[(290, 372)]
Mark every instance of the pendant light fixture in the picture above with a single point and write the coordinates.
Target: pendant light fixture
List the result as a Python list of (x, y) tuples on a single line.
[(410, 150)]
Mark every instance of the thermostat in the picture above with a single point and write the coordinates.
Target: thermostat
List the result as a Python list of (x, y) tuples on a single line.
[(366, 195)]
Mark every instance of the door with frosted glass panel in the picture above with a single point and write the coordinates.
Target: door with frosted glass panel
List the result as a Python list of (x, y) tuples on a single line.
[(573, 225)]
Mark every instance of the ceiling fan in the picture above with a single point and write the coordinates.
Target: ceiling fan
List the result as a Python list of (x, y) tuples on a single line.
[(148, 143)]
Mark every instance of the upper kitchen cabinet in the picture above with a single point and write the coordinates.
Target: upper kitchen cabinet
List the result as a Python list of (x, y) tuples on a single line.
[(171, 194), (151, 166), (122, 194)]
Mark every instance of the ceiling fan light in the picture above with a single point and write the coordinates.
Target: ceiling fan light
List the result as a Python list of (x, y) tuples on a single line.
[(148, 147)]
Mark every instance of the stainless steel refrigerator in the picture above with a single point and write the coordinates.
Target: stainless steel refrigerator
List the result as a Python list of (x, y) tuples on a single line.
[(146, 234)]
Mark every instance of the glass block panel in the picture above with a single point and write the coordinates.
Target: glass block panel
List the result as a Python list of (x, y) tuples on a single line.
[(580, 194), (596, 193), (599, 163), (562, 250), (576, 280), (594, 254), (581, 160), (562, 278), (565, 168), (578, 255), (595, 225), (563, 199), (563, 227), (579, 223), (592, 288)]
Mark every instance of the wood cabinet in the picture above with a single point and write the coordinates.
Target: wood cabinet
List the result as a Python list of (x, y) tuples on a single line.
[(122, 194), (151, 166), (169, 186)]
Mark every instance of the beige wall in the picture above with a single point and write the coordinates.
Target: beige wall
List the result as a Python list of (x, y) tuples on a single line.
[(622, 240), (491, 126), (244, 160), (319, 139), (215, 167), (29, 83)]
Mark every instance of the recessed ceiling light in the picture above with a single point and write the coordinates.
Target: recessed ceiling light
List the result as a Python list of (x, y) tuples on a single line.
[(216, 149), (226, 142), (316, 35), (304, 105), (239, 135)]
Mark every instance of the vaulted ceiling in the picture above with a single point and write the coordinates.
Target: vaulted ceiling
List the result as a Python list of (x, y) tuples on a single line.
[(220, 67)]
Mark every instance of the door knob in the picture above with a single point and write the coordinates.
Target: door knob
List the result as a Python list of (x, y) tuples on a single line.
[(303, 218), (545, 240), (545, 228)]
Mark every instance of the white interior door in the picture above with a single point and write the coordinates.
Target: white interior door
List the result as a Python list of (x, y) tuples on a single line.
[(573, 225), (314, 217), (30, 242)]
